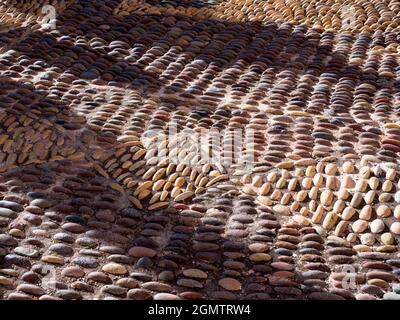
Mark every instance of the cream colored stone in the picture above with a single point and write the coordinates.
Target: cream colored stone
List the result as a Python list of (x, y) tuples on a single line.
[(341, 228), (348, 167), (395, 228)]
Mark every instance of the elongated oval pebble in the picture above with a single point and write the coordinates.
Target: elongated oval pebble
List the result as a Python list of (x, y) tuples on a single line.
[(158, 205), (373, 183), (361, 185), (343, 194), (265, 188), (326, 197), (318, 180), (383, 211), (339, 206), (366, 213), (367, 239), (249, 190), (341, 228), (359, 226), (387, 186), (264, 200), (230, 284), (301, 220), (301, 195), (348, 167), (306, 183), (348, 213)]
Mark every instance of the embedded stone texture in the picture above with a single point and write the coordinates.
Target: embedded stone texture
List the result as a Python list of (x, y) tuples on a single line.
[(89, 209)]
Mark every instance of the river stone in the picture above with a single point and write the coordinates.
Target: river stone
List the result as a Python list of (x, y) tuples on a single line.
[(11, 205), (41, 203), (17, 260), (139, 294), (128, 283), (19, 296), (7, 240), (61, 249), (166, 276), (395, 228), (324, 149), (31, 289), (27, 252), (99, 277), (144, 262), (114, 268), (157, 286), (397, 197), (387, 238), (396, 288), (115, 290), (377, 226), (5, 281), (281, 210), (166, 296), (141, 252), (195, 273), (391, 296), (69, 294), (85, 262), (8, 213), (230, 284)]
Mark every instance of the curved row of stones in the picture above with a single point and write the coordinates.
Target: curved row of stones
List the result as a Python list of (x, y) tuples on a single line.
[(88, 210)]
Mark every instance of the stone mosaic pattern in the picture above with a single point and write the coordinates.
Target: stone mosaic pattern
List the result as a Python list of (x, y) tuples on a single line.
[(87, 211)]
